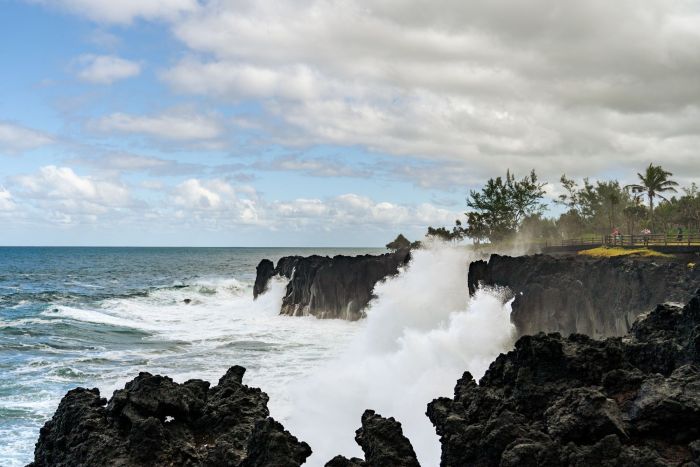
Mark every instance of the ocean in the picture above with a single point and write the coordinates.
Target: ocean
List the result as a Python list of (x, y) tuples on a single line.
[(95, 317)]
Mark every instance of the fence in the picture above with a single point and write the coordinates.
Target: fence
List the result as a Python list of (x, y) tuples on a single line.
[(653, 240)]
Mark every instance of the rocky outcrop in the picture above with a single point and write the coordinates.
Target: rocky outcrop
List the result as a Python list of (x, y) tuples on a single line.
[(383, 443), (263, 273), (576, 401), (338, 287), (155, 421), (600, 298)]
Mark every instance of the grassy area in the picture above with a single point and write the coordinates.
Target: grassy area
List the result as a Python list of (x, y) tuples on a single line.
[(609, 252)]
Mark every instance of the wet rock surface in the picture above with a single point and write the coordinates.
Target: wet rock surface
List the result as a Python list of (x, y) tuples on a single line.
[(578, 401), (383, 443), (155, 421), (596, 297), (337, 287)]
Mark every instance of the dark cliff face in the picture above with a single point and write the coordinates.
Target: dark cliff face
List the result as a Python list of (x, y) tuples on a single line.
[(576, 401), (600, 298), (155, 421), (338, 287)]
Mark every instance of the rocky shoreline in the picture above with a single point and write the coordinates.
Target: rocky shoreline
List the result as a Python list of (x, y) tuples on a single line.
[(631, 399), (340, 287), (622, 401), (578, 401)]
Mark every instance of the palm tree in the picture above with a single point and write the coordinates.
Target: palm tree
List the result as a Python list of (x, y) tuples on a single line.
[(654, 181)]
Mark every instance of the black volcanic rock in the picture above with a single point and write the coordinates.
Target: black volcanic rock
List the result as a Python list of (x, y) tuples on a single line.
[(338, 287), (263, 273), (596, 297), (155, 421), (577, 401), (383, 443)]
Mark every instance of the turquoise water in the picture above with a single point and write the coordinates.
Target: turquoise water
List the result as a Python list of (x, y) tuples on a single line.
[(95, 317)]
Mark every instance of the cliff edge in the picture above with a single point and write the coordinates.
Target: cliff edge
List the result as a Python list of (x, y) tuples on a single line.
[(337, 287), (596, 297)]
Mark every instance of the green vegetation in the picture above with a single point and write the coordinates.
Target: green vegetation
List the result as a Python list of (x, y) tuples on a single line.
[(606, 252), (654, 182), (508, 209), (401, 242)]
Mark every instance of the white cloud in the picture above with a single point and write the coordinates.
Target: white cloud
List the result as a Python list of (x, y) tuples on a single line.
[(480, 84), (122, 162), (124, 11), (15, 138), (61, 190), (7, 203), (170, 126), (216, 203), (358, 211), (106, 69), (236, 81)]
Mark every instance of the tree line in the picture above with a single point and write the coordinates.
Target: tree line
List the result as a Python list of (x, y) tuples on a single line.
[(508, 207)]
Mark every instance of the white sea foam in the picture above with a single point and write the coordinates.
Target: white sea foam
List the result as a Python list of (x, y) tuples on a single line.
[(422, 332)]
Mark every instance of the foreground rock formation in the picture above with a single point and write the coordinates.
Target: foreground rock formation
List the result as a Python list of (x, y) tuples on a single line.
[(155, 421), (338, 287), (383, 443), (576, 401), (599, 298)]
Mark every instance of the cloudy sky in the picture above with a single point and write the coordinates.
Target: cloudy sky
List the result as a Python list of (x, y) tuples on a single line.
[(324, 122)]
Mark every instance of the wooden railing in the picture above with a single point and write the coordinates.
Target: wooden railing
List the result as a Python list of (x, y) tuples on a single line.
[(591, 241), (653, 240), (637, 240)]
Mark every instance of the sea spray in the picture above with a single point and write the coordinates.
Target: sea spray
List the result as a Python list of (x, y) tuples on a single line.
[(421, 333), (96, 317)]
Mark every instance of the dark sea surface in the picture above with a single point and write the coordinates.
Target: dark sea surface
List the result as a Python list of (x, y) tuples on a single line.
[(95, 317)]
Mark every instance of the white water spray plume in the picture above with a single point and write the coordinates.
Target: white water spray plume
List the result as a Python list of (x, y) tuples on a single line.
[(421, 333)]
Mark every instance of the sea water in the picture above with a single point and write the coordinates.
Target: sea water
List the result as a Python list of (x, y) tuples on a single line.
[(95, 317)]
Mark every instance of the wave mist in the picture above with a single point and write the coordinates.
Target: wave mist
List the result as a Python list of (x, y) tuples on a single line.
[(422, 332)]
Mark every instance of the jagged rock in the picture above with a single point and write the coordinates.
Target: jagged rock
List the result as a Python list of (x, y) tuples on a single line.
[(263, 273), (383, 443), (338, 287), (155, 421), (577, 401), (596, 297)]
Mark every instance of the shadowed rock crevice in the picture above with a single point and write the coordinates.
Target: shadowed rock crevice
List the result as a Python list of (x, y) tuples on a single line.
[(599, 298), (155, 421), (338, 287)]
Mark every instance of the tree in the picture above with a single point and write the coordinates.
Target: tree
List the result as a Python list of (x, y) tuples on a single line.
[(654, 181), (456, 234), (476, 229), (634, 214), (611, 196), (398, 243), (500, 207), (536, 227)]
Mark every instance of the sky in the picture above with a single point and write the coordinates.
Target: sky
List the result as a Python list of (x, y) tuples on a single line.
[(325, 122)]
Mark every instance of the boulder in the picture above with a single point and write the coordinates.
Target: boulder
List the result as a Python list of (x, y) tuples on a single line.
[(156, 421)]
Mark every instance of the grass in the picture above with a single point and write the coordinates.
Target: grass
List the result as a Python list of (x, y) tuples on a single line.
[(609, 252)]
